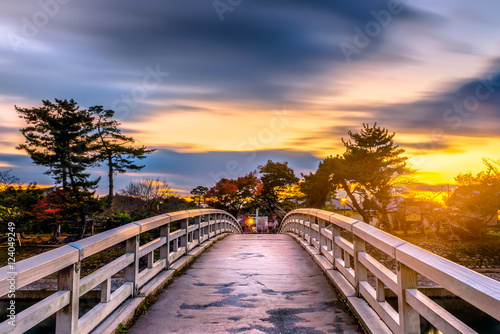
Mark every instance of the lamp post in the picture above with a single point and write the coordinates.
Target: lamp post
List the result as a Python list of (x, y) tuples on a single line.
[(343, 200)]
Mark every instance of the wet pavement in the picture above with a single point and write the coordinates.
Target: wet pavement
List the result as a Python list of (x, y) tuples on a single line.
[(252, 283)]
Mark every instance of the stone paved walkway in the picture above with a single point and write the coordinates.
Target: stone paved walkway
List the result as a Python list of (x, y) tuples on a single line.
[(250, 284)]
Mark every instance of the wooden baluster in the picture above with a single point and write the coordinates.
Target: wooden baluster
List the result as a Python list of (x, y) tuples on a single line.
[(216, 217), (380, 290), (317, 235), (409, 319), (67, 318), (132, 270), (303, 227), (347, 260), (151, 259), (106, 291), (337, 250), (310, 229), (217, 224), (360, 272), (329, 243), (197, 235), (184, 236), (322, 238), (165, 249), (207, 228)]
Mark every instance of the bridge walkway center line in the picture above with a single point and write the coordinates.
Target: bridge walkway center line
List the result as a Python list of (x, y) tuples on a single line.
[(250, 284)]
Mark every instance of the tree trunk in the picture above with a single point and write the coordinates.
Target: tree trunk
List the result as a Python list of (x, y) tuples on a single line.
[(386, 223), (110, 178), (54, 234), (83, 222), (64, 179), (366, 217)]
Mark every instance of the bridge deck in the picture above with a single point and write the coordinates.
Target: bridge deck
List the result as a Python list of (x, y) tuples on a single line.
[(250, 284)]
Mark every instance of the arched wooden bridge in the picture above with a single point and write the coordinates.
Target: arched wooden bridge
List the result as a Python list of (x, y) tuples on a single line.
[(260, 283)]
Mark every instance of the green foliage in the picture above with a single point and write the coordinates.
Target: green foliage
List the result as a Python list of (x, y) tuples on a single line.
[(114, 148), (69, 140), (199, 194), (317, 188), (233, 195), (276, 177), (59, 136), (371, 171), (477, 198), (16, 205)]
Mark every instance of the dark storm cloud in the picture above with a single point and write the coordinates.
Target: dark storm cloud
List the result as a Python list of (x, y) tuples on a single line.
[(208, 167), (96, 51), (469, 107), (183, 171)]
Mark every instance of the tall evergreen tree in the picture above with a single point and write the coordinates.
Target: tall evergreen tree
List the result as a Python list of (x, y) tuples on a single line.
[(115, 149), (372, 171), (61, 137)]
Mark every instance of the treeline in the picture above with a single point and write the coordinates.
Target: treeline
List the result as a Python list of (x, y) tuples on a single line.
[(275, 193), (370, 172), (374, 179), (69, 141)]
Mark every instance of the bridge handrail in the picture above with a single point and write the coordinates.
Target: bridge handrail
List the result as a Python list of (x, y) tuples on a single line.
[(480, 291), (66, 260)]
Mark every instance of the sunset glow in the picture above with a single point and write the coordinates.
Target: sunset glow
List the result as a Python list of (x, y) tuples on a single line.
[(266, 82)]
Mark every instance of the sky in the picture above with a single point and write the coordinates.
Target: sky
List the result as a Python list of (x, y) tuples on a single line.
[(219, 87)]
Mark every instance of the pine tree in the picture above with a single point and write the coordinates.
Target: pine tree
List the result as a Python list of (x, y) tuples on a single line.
[(371, 171), (115, 149), (61, 137)]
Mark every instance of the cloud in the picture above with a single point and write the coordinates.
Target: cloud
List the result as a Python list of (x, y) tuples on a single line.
[(469, 107), (183, 171), (97, 52), (192, 169)]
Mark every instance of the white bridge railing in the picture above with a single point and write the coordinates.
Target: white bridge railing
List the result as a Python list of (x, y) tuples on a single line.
[(348, 264), (66, 260)]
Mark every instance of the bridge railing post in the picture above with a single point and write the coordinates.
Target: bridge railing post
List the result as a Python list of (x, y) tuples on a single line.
[(322, 238), (132, 270), (184, 236), (67, 318), (317, 234), (217, 224), (207, 228), (409, 319), (309, 229), (197, 232), (337, 250), (214, 226), (304, 229), (329, 242), (360, 271), (165, 249)]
